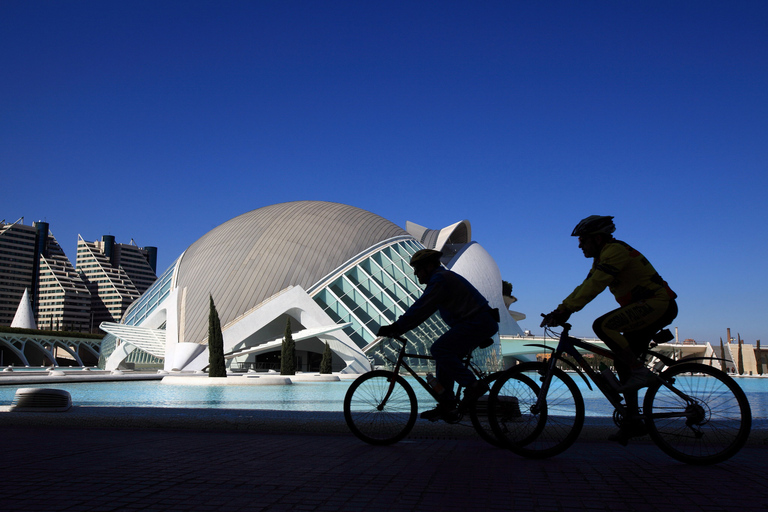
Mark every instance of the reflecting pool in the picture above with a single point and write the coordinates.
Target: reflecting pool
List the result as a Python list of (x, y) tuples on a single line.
[(299, 396)]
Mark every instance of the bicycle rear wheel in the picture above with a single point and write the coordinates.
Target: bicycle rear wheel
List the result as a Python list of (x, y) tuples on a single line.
[(372, 420), (710, 427), (548, 431)]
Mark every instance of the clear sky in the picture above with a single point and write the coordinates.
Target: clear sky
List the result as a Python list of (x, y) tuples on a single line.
[(157, 121)]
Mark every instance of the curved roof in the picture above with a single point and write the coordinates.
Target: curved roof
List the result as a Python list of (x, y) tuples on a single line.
[(252, 257)]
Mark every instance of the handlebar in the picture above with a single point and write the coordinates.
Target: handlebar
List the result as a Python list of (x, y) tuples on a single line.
[(564, 325)]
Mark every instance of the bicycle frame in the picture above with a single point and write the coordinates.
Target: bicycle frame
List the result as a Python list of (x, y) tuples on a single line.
[(400, 363), (568, 345)]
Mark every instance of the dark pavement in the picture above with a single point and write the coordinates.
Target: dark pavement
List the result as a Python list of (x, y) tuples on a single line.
[(70, 468)]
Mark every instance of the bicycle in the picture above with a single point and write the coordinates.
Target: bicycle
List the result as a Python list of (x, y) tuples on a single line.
[(693, 412), (380, 406)]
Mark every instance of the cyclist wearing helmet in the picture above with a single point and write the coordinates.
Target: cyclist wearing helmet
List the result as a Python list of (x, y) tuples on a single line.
[(467, 313), (647, 304)]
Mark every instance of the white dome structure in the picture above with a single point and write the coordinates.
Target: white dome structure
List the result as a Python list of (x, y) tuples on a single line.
[(336, 271)]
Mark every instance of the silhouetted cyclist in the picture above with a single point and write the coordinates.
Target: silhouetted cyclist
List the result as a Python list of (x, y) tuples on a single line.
[(467, 313), (647, 305)]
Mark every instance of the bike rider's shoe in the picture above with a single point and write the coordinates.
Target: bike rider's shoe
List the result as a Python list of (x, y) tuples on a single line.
[(632, 428), (444, 411), (474, 391), (639, 378)]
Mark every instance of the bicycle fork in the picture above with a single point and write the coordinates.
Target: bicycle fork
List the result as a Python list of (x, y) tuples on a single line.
[(546, 380)]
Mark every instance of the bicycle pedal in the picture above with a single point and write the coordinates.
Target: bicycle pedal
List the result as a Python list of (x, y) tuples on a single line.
[(453, 417)]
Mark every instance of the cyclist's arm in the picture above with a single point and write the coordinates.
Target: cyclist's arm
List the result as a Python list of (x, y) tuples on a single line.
[(612, 259), (424, 307)]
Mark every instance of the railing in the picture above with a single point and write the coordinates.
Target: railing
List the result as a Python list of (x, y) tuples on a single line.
[(256, 366)]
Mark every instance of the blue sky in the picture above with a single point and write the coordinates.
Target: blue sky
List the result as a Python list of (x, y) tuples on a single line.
[(158, 121)]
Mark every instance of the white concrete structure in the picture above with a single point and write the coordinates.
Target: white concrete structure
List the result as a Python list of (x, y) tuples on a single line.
[(336, 271), (24, 317)]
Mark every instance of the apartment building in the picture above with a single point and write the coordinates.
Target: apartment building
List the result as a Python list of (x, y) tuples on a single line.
[(31, 258), (116, 275)]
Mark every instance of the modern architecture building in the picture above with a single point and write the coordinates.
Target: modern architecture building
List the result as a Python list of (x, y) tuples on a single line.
[(17, 266), (116, 275), (31, 259), (335, 272), (108, 278)]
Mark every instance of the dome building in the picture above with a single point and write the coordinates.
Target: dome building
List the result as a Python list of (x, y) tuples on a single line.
[(335, 272)]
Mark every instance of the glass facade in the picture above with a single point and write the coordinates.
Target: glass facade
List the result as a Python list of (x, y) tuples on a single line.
[(375, 292), (152, 298)]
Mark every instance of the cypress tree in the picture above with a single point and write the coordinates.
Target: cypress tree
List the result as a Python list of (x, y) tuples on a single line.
[(326, 364), (216, 366), (288, 352), (759, 357), (722, 356), (741, 361)]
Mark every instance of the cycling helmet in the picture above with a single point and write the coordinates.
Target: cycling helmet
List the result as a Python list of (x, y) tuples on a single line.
[(594, 225), (425, 256)]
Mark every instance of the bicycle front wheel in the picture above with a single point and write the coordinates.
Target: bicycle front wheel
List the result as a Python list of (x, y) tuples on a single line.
[(707, 425), (545, 431), (372, 419), (478, 415), (510, 410)]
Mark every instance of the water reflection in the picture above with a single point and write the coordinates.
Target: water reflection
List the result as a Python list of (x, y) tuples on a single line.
[(214, 395), (300, 396)]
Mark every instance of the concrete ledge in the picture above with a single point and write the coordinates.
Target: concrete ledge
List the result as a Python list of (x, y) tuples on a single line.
[(20, 378), (230, 380), (64, 376), (315, 377), (247, 379)]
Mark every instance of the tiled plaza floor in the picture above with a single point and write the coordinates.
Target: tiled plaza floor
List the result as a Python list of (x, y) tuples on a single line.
[(68, 468)]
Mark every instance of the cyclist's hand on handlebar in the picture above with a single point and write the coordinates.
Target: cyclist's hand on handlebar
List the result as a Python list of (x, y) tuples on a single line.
[(554, 319), (388, 331)]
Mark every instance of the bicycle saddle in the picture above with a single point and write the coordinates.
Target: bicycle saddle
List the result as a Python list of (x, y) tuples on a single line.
[(486, 343), (663, 336)]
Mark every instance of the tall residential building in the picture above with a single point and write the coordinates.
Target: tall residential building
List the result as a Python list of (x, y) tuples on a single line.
[(116, 275), (31, 258), (17, 266)]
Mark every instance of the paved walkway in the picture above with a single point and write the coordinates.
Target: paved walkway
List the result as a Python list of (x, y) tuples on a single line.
[(62, 467)]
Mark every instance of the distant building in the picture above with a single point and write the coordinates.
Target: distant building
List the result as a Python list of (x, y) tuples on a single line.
[(31, 258), (17, 266), (108, 278), (116, 275)]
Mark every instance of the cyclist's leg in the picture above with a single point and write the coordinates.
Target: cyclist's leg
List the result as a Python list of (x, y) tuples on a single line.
[(450, 349), (627, 331)]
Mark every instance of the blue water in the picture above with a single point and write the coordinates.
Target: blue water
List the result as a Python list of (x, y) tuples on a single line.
[(300, 396)]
